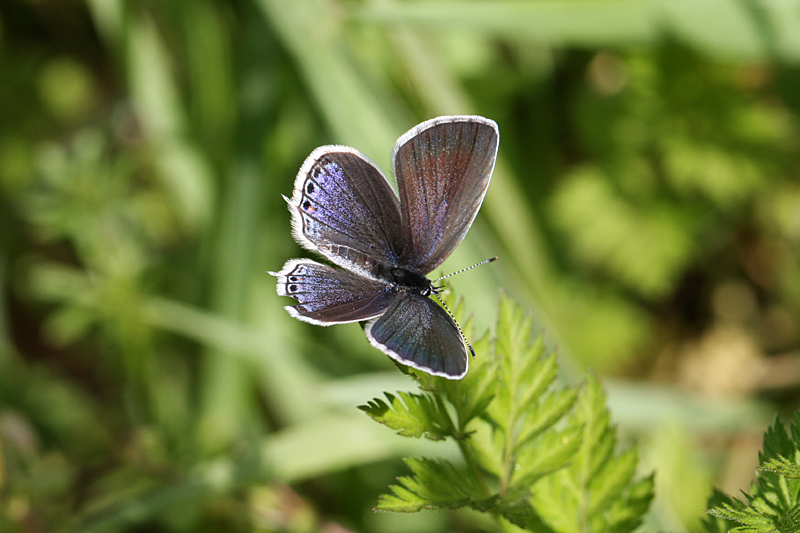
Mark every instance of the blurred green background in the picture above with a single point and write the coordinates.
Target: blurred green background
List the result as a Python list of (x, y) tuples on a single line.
[(645, 207)]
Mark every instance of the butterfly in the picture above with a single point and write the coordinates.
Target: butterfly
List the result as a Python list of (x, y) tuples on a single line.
[(386, 243)]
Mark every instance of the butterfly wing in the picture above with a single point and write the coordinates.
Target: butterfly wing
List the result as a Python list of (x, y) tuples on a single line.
[(344, 208), (330, 295), (443, 167), (415, 331)]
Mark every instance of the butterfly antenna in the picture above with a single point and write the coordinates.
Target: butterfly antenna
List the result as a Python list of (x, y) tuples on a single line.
[(468, 268), (471, 349)]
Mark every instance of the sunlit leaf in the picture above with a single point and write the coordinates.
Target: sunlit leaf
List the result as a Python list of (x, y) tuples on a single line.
[(546, 413), (412, 415), (773, 504), (472, 394), (554, 451), (782, 466), (434, 484), (596, 492)]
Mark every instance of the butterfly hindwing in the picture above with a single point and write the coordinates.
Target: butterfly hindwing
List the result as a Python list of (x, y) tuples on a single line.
[(344, 208), (417, 332), (329, 295), (443, 167)]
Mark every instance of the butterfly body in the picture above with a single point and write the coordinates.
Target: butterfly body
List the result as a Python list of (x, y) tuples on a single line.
[(386, 242), (409, 281)]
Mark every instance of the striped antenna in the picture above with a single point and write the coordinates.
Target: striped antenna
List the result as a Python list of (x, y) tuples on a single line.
[(436, 291), (468, 268)]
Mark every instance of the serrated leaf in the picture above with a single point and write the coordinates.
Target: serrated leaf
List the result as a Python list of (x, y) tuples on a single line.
[(537, 375), (522, 409), (746, 516), (597, 476), (761, 505), (472, 394), (794, 431), (791, 521), (781, 466), (552, 452), (778, 493), (546, 414), (548, 480), (713, 523), (611, 480), (625, 514), (776, 442), (516, 353), (519, 512), (774, 501), (435, 484), (417, 415), (487, 444), (555, 499), (598, 436)]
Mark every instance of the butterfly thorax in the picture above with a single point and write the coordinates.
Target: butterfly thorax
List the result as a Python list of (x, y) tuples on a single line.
[(408, 280)]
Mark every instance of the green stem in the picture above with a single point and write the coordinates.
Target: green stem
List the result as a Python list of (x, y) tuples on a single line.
[(469, 456), (508, 456), (466, 449)]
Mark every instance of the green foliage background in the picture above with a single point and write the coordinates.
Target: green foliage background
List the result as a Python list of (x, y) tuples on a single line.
[(645, 207)]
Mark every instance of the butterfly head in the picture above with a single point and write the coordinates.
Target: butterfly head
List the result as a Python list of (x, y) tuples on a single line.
[(411, 281)]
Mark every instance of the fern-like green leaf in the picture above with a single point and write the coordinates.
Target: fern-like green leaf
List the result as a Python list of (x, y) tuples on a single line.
[(774, 500), (470, 395), (538, 455), (717, 524), (625, 513), (518, 511), (523, 375), (781, 466), (545, 414), (611, 480), (417, 415), (488, 444), (553, 452), (750, 519), (435, 484), (791, 520), (597, 475), (524, 406)]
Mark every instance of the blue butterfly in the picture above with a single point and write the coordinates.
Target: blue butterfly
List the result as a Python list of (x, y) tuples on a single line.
[(386, 243)]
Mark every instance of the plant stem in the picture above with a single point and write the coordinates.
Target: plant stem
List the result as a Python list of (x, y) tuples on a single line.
[(508, 449), (469, 456), (466, 449)]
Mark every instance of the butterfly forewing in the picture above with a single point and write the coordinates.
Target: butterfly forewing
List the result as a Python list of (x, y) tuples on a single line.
[(443, 168), (344, 208), (330, 295), (416, 331)]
